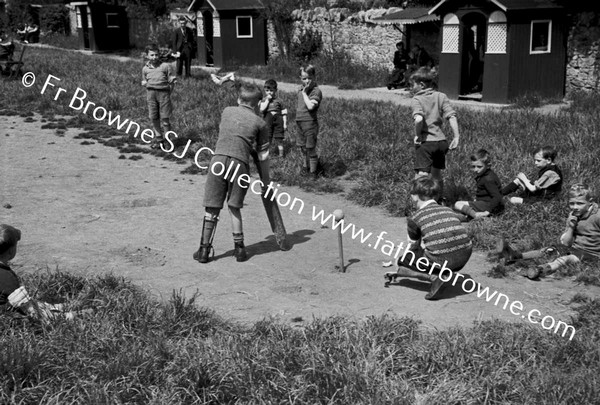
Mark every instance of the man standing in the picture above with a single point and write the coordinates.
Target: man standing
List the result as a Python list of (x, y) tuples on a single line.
[(184, 46)]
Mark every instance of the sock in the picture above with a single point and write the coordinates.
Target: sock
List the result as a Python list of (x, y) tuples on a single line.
[(238, 238), (280, 147), (314, 162), (467, 210), (561, 261), (534, 254), (157, 128), (510, 188), (166, 125)]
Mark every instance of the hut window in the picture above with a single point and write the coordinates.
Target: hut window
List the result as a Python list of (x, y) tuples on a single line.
[(244, 26), (496, 41), (112, 20), (89, 17), (541, 36), (450, 34), (78, 14), (200, 24)]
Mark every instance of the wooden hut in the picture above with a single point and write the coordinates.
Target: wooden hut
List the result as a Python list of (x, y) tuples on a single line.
[(101, 27), (417, 26), (498, 50), (230, 31)]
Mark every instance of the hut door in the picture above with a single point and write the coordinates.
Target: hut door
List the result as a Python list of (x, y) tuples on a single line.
[(208, 36), (473, 51), (85, 29)]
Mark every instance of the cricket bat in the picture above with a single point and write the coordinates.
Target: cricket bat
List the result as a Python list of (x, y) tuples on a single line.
[(273, 214)]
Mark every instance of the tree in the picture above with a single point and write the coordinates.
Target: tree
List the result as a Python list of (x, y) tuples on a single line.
[(279, 12)]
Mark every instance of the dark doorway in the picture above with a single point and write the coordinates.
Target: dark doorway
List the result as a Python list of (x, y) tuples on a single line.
[(208, 37), (474, 27), (85, 29)]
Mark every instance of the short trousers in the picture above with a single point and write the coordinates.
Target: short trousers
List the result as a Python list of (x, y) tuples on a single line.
[(454, 261), (274, 125), (562, 250), (431, 154), (481, 206), (307, 134), (218, 188), (159, 104)]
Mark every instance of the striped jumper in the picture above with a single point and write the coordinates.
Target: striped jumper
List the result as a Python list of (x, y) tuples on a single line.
[(441, 234)]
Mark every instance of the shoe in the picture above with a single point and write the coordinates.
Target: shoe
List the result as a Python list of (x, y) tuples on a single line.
[(534, 273), (157, 142), (240, 252), (389, 87), (542, 270), (202, 254), (481, 215), (506, 252), (437, 286)]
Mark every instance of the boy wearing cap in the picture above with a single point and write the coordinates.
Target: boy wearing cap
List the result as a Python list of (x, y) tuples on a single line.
[(14, 296)]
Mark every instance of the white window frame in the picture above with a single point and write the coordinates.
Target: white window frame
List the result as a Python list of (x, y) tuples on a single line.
[(497, 19), (112, 26), (237, 26), (451, 22), (549, 50)]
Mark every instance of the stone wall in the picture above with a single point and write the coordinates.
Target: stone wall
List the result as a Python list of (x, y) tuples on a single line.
[(365, 42), (582, 70), (374, 44), (583, 64)]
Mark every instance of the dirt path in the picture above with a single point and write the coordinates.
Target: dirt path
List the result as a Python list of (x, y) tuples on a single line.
[(83, 210)]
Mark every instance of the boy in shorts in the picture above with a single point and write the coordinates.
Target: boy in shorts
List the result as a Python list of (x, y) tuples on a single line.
[(429, 109), (548, 183), (13, 296), (159, 80), (274, 114), (488, 195), (579, 242), (309, 100), (228, 177), (436, 238)]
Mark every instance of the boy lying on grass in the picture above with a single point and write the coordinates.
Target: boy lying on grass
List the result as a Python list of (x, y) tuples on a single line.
[(434, 233), (14, 296), (579, 242)]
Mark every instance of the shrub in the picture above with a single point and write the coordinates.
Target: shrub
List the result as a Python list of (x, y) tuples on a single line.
[(308, 45), (55, 19)]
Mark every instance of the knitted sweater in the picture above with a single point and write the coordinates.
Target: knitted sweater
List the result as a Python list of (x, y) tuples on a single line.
[(438, 229)]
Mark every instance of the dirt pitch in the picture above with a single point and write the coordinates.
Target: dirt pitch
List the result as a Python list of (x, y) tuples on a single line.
[(83, 210)]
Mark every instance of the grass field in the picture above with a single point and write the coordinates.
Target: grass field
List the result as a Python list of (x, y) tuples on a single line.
[(138, 350)]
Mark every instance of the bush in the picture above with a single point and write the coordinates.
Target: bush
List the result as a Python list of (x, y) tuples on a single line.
[(55, 19), (308, 45), (161, 32)]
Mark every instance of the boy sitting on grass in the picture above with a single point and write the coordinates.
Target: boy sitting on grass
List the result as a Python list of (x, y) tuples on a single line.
[(579, 242), (434, 233), (240, 131), (488, 197), (159, 80), (548, 183), (14, 296)]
